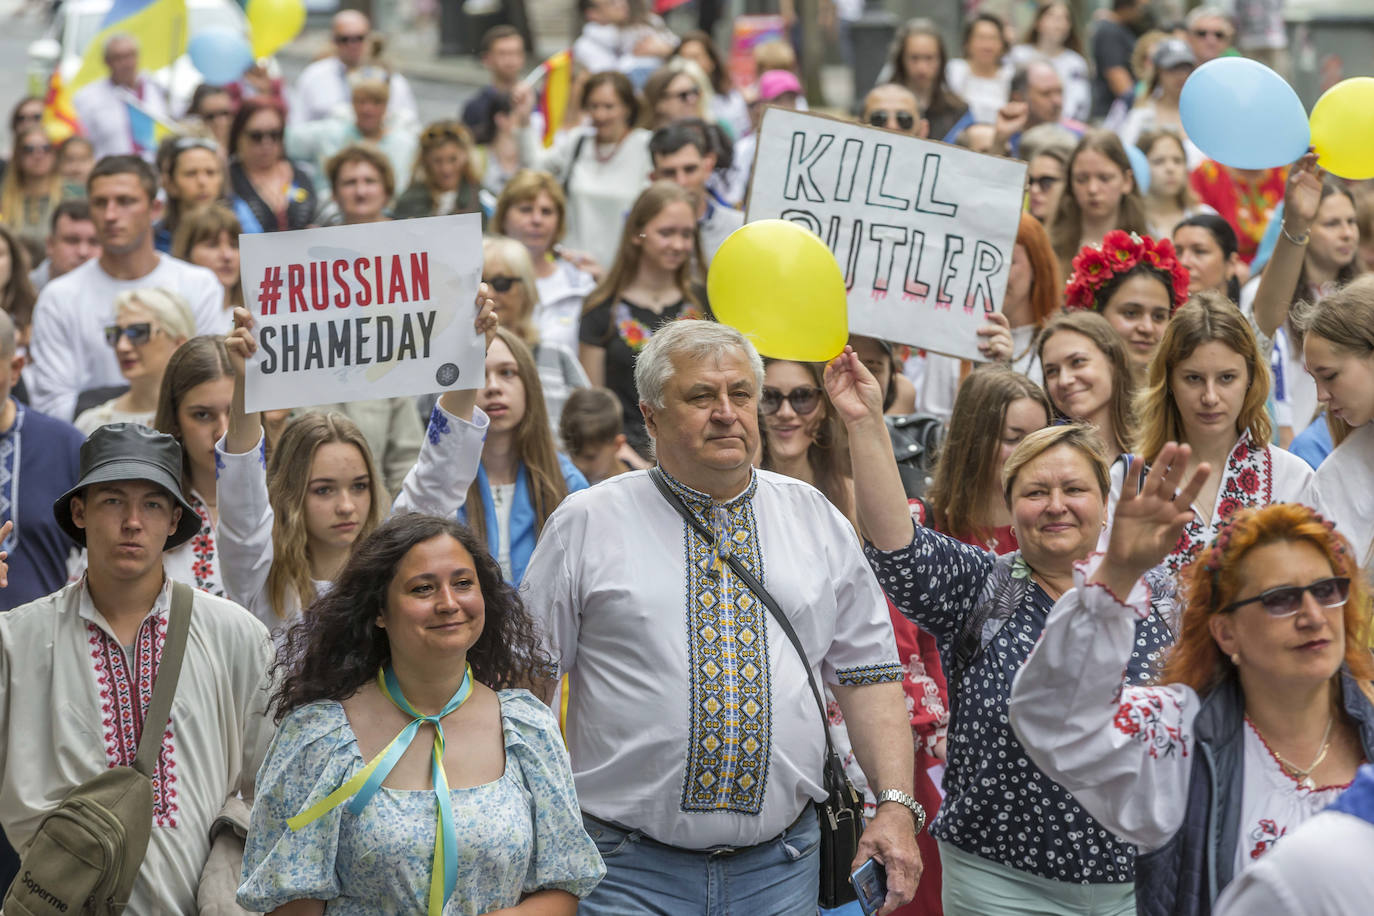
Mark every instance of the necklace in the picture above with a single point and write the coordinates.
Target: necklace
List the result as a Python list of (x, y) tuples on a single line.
[(1302, 777)]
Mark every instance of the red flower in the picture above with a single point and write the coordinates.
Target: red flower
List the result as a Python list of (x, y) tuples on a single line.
[(1125, 722), (1228, 507), (1249, 480)]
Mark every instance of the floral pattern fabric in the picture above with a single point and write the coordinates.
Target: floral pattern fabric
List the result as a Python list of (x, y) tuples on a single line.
[(1245, 205), (518, 834)]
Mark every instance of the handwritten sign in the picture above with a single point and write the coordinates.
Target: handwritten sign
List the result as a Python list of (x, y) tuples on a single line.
[(923, 231), (351, 313)]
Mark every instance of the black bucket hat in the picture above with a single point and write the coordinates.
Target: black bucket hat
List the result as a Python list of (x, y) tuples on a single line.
[(128, 451)]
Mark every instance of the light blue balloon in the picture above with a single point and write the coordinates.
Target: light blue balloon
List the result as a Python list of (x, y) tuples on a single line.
[(1242, 114), (220, 54), (1140, 166)]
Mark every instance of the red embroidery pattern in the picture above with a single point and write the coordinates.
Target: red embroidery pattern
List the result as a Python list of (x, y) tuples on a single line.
[(1248, 480), (124, 699), (203, 545), (1140, 716), (1264, 836)]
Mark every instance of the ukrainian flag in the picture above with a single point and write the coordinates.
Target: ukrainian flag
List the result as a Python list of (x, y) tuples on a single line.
[(159, 27)]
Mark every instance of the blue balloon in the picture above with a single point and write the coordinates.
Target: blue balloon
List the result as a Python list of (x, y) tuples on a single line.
[(1242, 114), (220, 54), (1140, 166)]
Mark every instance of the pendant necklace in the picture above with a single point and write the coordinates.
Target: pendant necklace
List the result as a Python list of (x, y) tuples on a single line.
[(1303, 777)]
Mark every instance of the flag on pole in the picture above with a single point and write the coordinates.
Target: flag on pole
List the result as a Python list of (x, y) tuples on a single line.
[(553, 99), (159, 27), (148, 129), (59, 116)]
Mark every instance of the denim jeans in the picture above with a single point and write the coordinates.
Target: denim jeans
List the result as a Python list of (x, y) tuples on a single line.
[(780, 877)]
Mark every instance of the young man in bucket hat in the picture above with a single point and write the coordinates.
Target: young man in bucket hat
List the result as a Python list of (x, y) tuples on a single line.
[(77, 670)]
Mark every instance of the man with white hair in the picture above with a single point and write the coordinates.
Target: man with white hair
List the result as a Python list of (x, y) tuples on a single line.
[(693, 733), (1210, 33), (323, 89), (119, 113)]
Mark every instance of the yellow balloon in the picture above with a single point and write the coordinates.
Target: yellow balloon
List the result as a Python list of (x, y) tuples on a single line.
[(1343, 128), (275, 23), (779, 285)]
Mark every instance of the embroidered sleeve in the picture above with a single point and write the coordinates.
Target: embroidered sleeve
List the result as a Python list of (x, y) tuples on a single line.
[(869, 674), (244, 535), (1126, 753), (447, 465), (934, 580)]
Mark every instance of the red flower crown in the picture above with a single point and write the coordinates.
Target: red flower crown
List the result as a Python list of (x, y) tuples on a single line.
[(1097, 265)]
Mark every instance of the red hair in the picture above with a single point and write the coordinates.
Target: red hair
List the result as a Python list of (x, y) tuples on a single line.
[(1045, 280), (1212, 581)]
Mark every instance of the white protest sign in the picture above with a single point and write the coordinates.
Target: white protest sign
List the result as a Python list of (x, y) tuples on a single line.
[(350, 313), (923, 231)]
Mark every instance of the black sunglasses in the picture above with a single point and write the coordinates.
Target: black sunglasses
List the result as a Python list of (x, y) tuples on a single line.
[(349, 39), (138, 333), (1043, 182), (1286, 600), (879, 118), (262, 136), (30, 148), (804, 399), (501, 284), (1211, 33)]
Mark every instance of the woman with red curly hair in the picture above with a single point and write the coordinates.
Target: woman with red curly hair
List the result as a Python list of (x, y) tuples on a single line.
[(1262, 713), (1208, 386), (1136, 283)]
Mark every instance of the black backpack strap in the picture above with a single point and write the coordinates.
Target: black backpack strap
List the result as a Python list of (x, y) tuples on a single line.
[(165, 686), (576, 154)]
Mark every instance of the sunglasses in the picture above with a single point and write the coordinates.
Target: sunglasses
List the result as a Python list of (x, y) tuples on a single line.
[(138, 333), (1043, 183), (1211, 33), (501, 284), (28, 149), (1286, 600), (349, 39), (804, 400), (439, 133), (216, 115), (25, 117), (264, 136), (879, 118)]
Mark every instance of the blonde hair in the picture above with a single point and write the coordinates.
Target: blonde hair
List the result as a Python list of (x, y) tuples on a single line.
[(12, 186), (526, 185), (167, 308), (1079, 436), (516, 257), (1206, 317), (288, 478)]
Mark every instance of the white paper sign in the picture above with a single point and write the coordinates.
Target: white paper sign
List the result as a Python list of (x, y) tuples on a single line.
[(350, 313), (923, 231)]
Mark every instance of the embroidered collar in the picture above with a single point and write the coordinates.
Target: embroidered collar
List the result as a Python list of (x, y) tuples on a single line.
[(85, 607), (704, 503)]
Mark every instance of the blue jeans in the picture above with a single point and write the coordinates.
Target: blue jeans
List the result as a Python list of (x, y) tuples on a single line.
[(780, 877)]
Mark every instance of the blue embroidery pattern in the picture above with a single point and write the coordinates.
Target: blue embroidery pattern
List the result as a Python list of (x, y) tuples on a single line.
[(9, 478), (438, 426), (730, 720), (870, 674)]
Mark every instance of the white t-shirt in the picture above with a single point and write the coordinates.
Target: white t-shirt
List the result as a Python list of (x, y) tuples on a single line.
[(68, 345), (561, 295), (985, 96), (322, 91), (103, 109)]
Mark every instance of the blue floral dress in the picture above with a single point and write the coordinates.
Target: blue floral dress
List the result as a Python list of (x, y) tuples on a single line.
[(517, 835)]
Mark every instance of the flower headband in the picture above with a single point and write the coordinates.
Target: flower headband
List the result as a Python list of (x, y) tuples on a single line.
[(1097, 265), (1212, 560)]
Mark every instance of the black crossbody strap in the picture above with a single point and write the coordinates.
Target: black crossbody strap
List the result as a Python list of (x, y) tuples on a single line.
[(754, 585), (165, 685)]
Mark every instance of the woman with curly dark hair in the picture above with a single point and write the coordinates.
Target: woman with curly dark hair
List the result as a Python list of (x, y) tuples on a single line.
[(419, 634)]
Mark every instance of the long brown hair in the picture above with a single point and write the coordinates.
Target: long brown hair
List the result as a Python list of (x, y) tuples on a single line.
[(828, 453), (966, 470), (201, 359), (1103, 336), (288, 477), (655, 199), (1207, 317), (1071, 41), (1346, 320), (207, 224), (1186, 198), (1066, 228), (534, 447), (18, 296), (1212, 581), (439, 134)]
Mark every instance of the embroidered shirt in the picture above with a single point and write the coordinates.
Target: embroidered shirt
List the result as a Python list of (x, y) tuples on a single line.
[(689, 716), (1127, 753), (1252, 477), (72, 705), (998, 803), (1342, 490), (197, 562)]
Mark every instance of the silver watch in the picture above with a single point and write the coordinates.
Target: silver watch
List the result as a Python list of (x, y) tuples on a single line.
[(906, 801)]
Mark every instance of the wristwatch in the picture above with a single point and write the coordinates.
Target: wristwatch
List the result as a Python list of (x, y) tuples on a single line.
[(906, 801)]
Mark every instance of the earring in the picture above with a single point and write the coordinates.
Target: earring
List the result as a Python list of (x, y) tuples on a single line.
[(1235, 659)]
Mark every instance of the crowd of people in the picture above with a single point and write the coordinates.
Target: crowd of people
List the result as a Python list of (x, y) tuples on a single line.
[(1089, 619)]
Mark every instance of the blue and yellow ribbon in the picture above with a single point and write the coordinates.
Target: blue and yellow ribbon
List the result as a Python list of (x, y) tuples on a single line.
[(366, 782)]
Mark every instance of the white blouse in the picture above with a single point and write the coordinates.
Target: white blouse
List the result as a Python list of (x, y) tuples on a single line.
[(1342, 489), (1126, 753)]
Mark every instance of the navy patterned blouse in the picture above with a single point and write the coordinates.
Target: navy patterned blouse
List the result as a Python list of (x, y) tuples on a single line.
[(999, 805)]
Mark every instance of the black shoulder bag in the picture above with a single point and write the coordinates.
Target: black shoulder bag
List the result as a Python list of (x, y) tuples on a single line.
[(841, 813)]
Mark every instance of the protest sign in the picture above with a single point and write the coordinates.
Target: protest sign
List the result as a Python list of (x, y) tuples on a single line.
[(351, 313), (922, 231)]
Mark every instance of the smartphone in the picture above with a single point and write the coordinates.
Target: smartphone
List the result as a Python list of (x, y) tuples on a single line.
[(870, 883)]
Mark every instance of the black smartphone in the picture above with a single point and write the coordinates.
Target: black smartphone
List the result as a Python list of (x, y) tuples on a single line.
[(870, 883)]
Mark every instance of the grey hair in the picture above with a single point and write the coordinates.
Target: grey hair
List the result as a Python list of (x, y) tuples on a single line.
[(117, 37), (167, 308), (697, 341), (1197, 14)]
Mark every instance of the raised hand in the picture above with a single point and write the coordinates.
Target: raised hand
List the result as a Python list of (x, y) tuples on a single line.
[(240, 342), (852, 389), (1302, 194), (1147, 524), (995, 341)]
